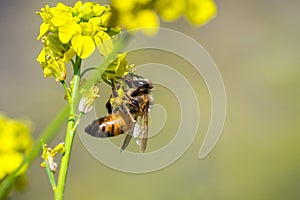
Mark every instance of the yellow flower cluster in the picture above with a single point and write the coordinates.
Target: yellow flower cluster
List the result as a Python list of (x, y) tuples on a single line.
[(133, 14), (69, 31), (15, 142), (143, 13)]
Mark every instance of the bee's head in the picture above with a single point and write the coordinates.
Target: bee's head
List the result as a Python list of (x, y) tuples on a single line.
[(139, 85)]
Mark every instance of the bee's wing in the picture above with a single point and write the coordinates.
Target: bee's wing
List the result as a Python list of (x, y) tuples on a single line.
[(141, 131), (144, 138), (128, 137)]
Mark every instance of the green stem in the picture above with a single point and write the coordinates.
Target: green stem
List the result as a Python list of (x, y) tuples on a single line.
[(50, 176), (78, 121), (70, 133), (56, 125), (72, 124)]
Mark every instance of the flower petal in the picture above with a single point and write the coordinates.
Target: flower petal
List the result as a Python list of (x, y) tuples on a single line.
[(66, 31), (104, 43), (43, 29), (61, 14), (84, 46), (42, 56)]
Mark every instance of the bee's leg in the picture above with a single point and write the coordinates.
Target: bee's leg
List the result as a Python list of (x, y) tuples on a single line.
[(128, 137), (126, 141), (125, 106), (108, 106), (125, 110), (113, 83), (132, 102)]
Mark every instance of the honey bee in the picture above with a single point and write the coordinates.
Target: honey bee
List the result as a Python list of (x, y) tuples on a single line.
[(128, 109)]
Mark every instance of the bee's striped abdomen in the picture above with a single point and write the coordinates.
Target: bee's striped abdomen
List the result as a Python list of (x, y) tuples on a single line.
[(108, 126)]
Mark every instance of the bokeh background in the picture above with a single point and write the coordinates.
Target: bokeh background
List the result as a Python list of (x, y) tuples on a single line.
[(255, 45)]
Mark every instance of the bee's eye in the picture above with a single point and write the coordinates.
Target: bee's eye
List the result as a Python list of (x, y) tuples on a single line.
[(135, 103)]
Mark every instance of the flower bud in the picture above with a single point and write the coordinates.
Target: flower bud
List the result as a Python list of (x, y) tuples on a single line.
[(88, 98)]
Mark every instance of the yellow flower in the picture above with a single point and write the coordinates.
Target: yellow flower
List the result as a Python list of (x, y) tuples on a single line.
[(10, 161), (135, 14), (170, 10), (69, 31), (117, 69), (130, 5), (53, 57), (49, 154), (62, 14), (15, 142), (199, 12)]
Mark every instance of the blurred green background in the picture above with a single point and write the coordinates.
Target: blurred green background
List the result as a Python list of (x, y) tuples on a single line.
[(255, 44)]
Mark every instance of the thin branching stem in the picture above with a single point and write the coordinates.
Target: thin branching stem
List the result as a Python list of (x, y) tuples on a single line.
[(50, 176)]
